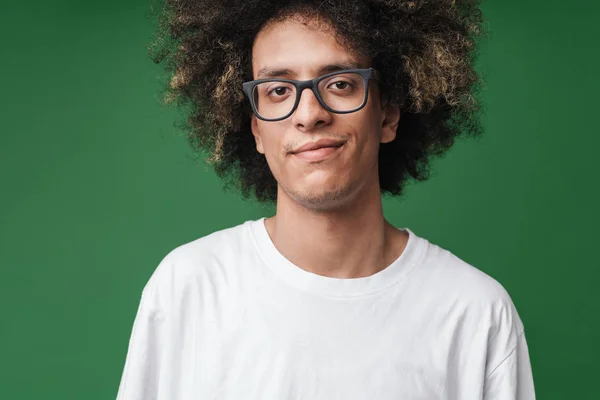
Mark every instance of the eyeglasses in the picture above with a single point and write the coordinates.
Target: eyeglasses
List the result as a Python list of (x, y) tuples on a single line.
[(339, 92)]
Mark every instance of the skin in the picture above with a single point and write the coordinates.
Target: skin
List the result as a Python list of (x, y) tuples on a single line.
[(329, 216)]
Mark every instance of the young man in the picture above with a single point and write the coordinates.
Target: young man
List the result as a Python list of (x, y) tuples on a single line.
[(322, 107)]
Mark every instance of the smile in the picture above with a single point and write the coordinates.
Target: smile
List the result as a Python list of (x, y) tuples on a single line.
[(319, 154)]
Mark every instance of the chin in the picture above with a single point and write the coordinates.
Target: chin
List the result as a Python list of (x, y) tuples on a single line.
[(321, 199)]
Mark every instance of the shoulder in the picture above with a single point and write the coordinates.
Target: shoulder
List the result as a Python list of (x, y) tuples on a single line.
[(458, 282), (189, 257), (456, 287), (458, 277), (207, 260)]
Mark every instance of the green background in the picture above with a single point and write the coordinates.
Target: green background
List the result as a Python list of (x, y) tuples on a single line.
[(97, 185)]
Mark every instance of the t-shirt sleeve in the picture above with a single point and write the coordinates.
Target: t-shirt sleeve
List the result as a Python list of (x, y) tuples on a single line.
[(512, 379), (141, 372)]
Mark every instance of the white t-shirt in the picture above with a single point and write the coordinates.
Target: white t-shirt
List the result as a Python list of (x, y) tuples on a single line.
[(228, 317)]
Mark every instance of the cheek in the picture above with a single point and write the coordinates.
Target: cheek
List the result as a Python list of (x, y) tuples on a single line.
[(273, 146), (367, 132)]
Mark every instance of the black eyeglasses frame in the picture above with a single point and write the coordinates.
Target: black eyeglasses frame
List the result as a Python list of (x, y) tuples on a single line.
[(366, 73)]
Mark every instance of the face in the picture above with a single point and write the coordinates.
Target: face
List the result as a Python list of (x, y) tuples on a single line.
[(328, 178)]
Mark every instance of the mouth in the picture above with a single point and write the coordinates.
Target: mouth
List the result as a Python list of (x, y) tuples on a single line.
[(319, 154)]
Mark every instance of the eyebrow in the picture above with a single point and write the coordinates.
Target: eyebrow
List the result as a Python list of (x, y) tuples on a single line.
[(266, 72)]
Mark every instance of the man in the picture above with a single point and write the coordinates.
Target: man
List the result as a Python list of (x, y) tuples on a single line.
[(322, 107)]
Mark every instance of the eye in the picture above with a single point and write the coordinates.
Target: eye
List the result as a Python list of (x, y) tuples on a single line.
[(340, 85), (279, 91)]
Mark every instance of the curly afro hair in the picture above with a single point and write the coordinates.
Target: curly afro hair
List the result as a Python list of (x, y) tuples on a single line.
[(424, 51)]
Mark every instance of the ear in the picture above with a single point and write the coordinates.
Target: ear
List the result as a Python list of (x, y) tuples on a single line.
[(256, 134), (390, 116)]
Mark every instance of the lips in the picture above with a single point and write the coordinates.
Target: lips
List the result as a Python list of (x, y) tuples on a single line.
[(319, 144), (318, 154)]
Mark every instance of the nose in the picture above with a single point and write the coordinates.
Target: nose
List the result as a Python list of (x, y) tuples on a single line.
[(310, 114)]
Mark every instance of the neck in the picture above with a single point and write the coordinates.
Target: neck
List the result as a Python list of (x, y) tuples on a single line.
[(350, 243)]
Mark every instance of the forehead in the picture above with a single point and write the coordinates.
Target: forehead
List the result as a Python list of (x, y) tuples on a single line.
[(301, 46)]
